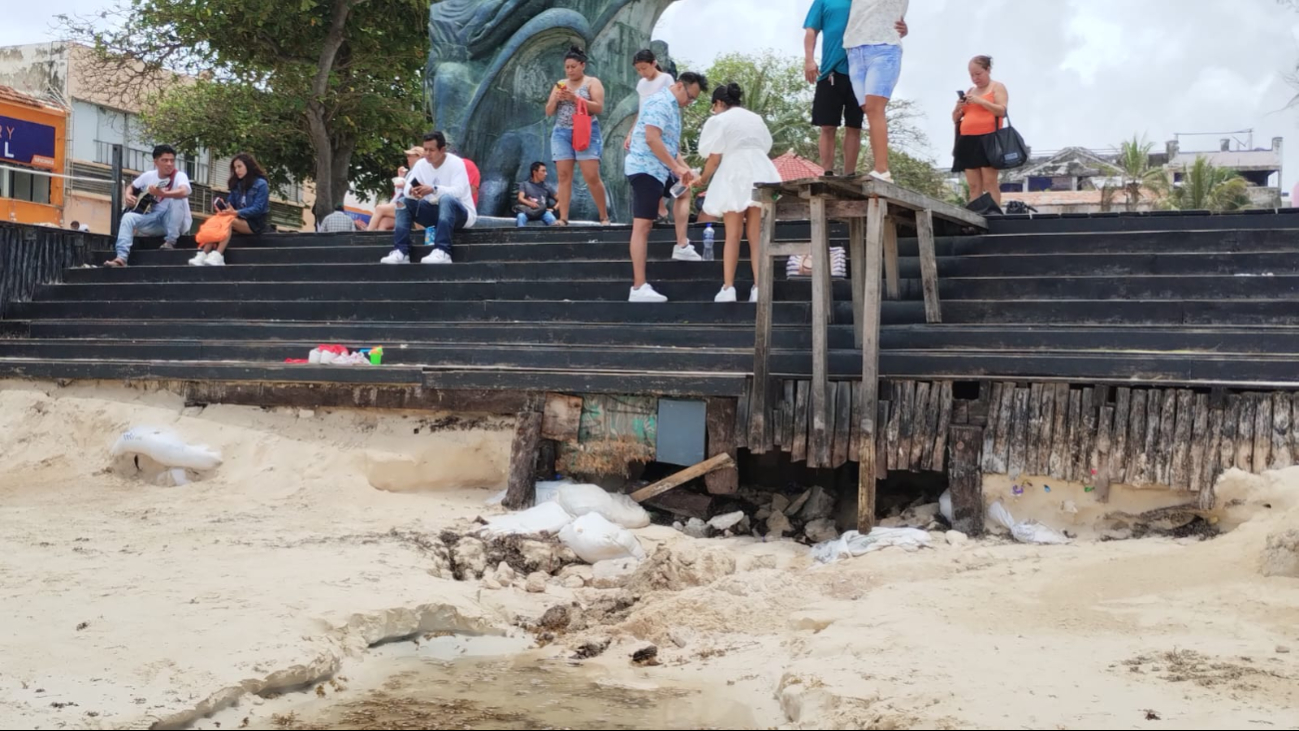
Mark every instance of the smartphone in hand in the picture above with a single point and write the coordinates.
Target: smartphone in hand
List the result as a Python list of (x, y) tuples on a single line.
[(960, 94)]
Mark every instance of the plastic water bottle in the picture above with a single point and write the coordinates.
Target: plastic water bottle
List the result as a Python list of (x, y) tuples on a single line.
[(709, 237)]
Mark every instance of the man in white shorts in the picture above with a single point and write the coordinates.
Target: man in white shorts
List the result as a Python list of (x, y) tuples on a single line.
[(874, 46)]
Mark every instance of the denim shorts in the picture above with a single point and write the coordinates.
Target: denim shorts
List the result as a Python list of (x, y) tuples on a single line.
[(874, 70), (561, 144)]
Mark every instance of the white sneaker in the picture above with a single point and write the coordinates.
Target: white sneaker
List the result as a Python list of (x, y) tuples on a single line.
[(726, 295), (438, 256), (215, 259), (200, 259), (395, 257), (753, 295), (886, 177), (645, 293), (686, 253)]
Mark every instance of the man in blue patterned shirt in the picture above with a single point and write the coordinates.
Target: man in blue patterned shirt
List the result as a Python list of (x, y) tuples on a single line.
[(654, 164)]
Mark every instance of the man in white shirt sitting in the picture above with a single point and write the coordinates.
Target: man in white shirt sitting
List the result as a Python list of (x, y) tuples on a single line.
[(167, 217), (438, 197)]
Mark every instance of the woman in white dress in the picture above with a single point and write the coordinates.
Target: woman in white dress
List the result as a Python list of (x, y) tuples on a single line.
[(737, 144)]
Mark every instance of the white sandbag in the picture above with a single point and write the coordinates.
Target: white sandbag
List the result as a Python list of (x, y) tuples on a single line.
[(581, 500), (945, 505), (852, 543), (544, 518), (167, 449), (546, 492), (1029, 531), (593, 538)]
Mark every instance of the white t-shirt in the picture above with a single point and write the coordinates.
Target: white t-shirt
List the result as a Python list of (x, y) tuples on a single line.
[(647, 87), (871, 23), (151, 177), (451, 179)]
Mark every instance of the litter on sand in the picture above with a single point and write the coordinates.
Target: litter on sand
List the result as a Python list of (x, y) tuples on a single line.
[(853, 544), (1029, 531)]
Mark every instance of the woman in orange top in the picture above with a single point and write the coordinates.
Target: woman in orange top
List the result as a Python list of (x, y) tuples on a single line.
[(979, 113)]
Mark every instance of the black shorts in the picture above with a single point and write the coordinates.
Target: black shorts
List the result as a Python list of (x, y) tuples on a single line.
[(646, 192), (836, 103), (971, 153)]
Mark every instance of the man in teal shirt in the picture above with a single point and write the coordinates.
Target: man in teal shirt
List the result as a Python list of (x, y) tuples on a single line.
[(835, 102)]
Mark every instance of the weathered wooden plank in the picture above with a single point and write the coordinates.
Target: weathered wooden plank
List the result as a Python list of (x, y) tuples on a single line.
[(1230, 423), (785, 429), (820, 434), (990, 430), (1245, 432), (1136, 471), (756, 439), (1262, 432), (1212, 465), (960, 412), (521, 490), (883, 415), (1199, 452), (1294, 427), (857, 271), (1150, 460), (919, 433), (1164, 445), (1017, 456), (894, 426), (1085, 440), (719, 417), (1032, 462), (871, 461), (936, 405), (1179, 471), (802, 392), (682, 477), (928, 266), (1060, 433), (1076, 434), (1119, 449), (561, 417), (854, 434), (1282, 456), (965, 479), (905, 404), (842, 423), (1005, 421), (892, 281), (1100, 477), (742, 418), (935, 458), (1099, 402)]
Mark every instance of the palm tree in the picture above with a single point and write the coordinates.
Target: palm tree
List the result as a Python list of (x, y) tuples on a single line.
[(1205, 187), (1133, 166)]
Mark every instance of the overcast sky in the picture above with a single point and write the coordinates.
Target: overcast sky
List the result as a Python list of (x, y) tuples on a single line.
[(1080, 72)]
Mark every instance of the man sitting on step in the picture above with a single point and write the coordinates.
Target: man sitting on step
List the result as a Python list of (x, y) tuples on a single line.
[(167, 216), (438, 197)]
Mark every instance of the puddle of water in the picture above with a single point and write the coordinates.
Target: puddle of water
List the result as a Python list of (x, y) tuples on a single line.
[(463, 683)]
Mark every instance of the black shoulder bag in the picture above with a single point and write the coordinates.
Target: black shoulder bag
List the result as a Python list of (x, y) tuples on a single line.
[(1005, 148)]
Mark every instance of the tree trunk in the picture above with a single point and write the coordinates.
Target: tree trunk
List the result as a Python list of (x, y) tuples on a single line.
[(329, 191)]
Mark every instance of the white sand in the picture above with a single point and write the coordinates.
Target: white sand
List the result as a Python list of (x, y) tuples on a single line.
[(280, 569)]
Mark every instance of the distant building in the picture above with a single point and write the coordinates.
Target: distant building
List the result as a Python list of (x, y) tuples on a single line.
[(56, 75), (793, 167), (32, 138), (1261, 168)]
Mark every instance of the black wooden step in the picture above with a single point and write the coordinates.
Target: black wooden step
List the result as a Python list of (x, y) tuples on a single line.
[(1040, 224)]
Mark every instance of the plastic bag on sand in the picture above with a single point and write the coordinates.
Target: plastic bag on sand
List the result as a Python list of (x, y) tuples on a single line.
[(544, 518), (166, 449), (594, 539), (945, 505), (581, 500), (1030, 531), (546, 492), (853, 544)]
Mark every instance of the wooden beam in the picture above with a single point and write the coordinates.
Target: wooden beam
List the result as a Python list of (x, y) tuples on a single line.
[(919, 418), (857, 265), (892, 278), (799, 451), (1230, 423), (682, 477), (742, 417), (1076, 434), (899, 196), (819, 441), (787, 415), (762, 327), (1282, 456), (1212, 463), (1179, 472), (1119, 450), (1032, 457), (797, 209), (936, 458), (928, 266), (1104, 445), (842, 423), (1001, 440), (719, 416), (1200, 446), (990, 430), (868, 459), (965, 479), (1083, 456), (1262, 432), (1245, 433), (905, 404), (521, 490), (1059, 457), (1136, 472)]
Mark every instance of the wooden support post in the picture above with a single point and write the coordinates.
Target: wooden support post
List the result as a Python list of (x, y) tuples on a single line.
[(928, 266), (521, 491), (1262, 432), (965, 479), (857, 262), (936, 459), (892, 278), (819, 434), (1282, 456), (547, 455), (719, 416), (762, 328), (1179, 472), (870, 368)]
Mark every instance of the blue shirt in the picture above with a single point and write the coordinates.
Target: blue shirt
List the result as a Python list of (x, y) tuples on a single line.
[(830, 19), (658, 110), (251, 203)]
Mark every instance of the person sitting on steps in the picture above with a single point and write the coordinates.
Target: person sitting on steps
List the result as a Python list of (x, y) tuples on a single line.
[(438, 196), (249, 202), (169, 215), (385, 214), (536, 200)]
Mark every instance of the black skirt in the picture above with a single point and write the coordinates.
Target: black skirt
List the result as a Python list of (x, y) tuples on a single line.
[(971, 153)]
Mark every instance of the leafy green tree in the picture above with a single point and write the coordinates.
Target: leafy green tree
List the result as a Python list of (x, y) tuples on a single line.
[(1138, 175), (1206, 187), (326, 90)]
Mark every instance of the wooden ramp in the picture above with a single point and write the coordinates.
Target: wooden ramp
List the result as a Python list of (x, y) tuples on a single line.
[(873, 210)]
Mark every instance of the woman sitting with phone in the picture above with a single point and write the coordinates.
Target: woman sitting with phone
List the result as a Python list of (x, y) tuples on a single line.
[(978, 113), (249, 205)]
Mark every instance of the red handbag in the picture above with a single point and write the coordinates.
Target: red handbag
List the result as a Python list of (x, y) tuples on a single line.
[(581, 127)]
